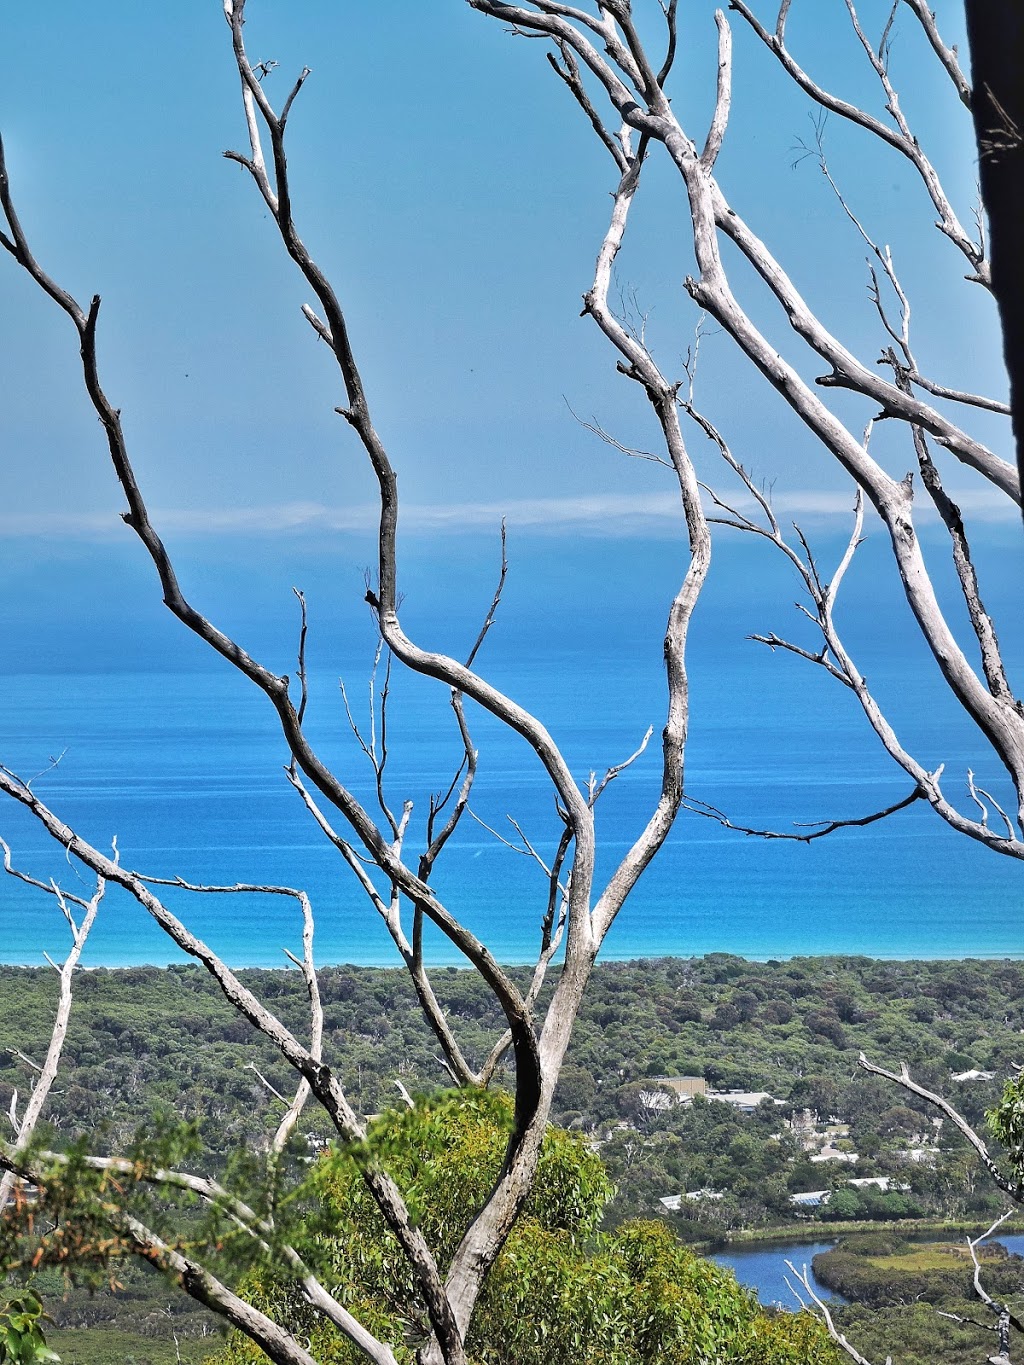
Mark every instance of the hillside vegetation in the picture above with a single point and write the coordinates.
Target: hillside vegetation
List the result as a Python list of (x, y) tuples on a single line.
[(146, 1039)]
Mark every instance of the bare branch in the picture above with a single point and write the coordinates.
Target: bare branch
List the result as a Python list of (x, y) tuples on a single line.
[(595, 428), (903, 1079), (411, 955), (301, 665), (612, 773), (21, 1056), (256, 105), (525, 849), (495, 600), (946, 55), (843, 668), (1005, 1319), (17, 245), (974, 400), (981, 622), (569, 72), (901, 139), (826, 1317), (818, 829), (50, 887), (251, 1066), (323, 1082), (278, 1344), (832, 591), (343, 846), (316, 1028), (244, 1217), (723, 99), (552, 928), (467, 770), (637, 364), (24, 1128), (671, 25), (976, 792)]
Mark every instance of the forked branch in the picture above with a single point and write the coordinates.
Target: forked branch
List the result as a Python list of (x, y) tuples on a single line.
[(903, 1079), (25, 1125)]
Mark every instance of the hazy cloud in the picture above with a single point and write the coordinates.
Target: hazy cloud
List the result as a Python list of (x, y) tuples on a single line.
[(615, 514)]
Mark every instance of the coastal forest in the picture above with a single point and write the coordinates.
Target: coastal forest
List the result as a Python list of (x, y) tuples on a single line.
[(791, 1030)]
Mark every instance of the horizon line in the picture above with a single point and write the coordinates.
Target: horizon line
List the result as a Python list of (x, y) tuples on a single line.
[(617, 514)]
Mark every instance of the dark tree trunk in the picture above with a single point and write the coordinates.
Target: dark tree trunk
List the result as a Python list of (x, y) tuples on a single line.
[(995, 30)]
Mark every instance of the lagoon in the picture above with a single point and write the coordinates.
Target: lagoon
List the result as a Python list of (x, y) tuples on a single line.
[(763, 1267)]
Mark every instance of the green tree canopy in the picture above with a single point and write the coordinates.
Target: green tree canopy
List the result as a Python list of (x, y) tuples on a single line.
[(560, 1291)]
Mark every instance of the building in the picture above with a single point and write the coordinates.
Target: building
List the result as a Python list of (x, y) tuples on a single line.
[(811, 1200), (674, 1202), (829, 1153), (685, 1087), (744, 1100), (656, 1101), (885, 1183)]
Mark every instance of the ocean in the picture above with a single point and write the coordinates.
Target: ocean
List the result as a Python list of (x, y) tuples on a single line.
[(186, 769)]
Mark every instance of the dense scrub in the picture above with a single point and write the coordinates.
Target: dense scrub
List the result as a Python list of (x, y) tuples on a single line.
[(559, 1291), (146, 1037), (908, 1272), (915, 1334), (793, 1028), (900, 1289)]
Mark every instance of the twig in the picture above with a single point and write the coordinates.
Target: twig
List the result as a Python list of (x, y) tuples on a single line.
[(596, 788), (826, 1317), (820, 829), (903, 1079)]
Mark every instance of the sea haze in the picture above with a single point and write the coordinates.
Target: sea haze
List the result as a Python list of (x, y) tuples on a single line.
[(186, 769)]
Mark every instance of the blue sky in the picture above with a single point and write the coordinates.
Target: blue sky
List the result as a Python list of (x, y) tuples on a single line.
[(444, 179)]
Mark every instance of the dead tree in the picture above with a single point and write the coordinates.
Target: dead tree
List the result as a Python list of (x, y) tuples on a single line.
[(618, 75), (578, 912)]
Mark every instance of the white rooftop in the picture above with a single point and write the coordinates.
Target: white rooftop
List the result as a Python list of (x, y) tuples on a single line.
[(742, 1099)]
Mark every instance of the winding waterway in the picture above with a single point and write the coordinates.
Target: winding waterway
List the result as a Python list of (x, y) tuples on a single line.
[(763, 1266)]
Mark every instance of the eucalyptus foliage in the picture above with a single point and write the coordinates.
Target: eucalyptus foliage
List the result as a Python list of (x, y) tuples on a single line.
[(21, 1333), (560, 1290)]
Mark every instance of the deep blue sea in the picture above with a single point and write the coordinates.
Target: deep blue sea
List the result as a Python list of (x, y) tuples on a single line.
[(186, 769)]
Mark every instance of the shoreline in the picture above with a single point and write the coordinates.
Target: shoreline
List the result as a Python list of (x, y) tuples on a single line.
[(765, 1237), (528, 963)]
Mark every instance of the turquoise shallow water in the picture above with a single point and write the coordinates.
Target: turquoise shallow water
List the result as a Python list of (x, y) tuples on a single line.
[(186, 770)]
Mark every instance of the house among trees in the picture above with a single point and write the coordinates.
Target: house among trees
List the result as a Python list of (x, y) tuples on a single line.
[(746, 1101), (685, 1087), (811, 1199)]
